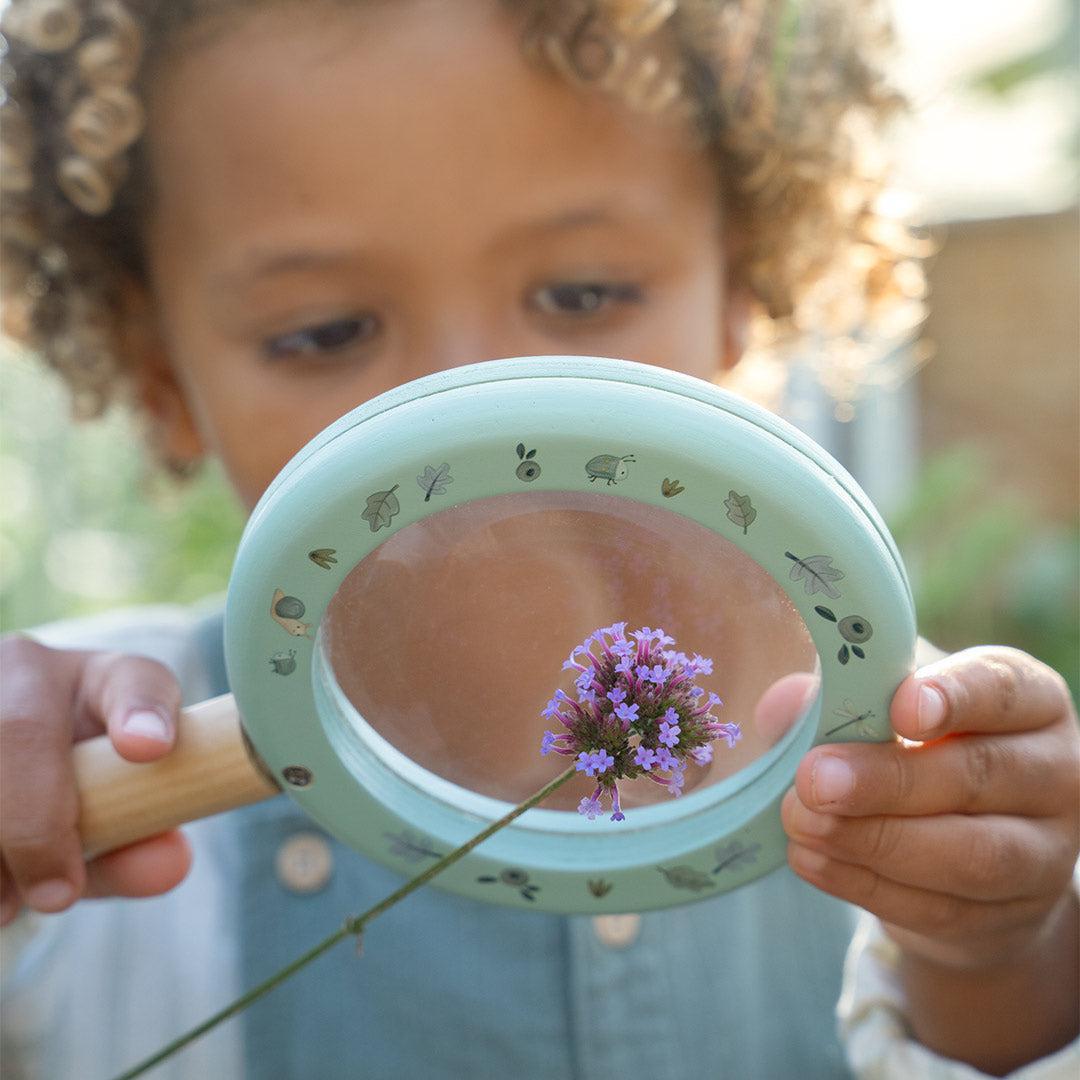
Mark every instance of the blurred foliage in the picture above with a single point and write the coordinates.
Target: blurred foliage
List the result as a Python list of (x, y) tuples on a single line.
[(986, 567), (87, 524), (1057, 57), (87, 521)]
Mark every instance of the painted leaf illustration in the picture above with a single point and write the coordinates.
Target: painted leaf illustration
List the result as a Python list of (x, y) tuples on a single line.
[(739, 510), (521, 450), (734, 854), (434, 481), (825, 613), (686, 877), (412, 846), (323, 557), (381, 508), (842, 655), (817, 574)]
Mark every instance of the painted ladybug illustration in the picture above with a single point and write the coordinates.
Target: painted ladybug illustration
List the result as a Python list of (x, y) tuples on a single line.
[(608, 467)]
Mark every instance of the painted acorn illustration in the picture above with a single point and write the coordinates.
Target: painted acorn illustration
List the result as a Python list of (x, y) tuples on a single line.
[(608, 467), (287, 612), (283, 663), (853, 628), (528, 470)]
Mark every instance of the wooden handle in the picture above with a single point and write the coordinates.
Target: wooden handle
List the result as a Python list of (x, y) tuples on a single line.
[(210, 769)]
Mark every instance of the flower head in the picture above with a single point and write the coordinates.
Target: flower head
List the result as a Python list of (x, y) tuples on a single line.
[(639, 713)]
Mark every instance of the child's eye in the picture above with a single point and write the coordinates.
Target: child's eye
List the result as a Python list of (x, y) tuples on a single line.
[(323, 338), (584, 298)]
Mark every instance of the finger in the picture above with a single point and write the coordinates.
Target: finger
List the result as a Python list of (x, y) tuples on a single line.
[(10, 902), (146, 868), (782, 704), (983, 857), (1028, 775), (38, 800), (137, 699), (940, 915), (982, 690)]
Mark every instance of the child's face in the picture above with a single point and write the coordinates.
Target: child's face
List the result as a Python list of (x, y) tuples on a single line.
[(347, 200)]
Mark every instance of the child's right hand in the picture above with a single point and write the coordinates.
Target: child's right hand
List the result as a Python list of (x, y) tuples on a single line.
[(49, 699)]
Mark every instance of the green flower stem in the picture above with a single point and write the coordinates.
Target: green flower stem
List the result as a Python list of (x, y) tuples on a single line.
[(353, 926)]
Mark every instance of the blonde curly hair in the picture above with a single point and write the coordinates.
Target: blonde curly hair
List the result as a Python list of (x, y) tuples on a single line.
[(788, 96)]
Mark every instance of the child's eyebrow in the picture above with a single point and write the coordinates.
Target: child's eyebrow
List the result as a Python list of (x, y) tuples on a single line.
[(257, 264)]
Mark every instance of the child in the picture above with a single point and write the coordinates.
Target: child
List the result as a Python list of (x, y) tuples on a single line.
[(252, 217)]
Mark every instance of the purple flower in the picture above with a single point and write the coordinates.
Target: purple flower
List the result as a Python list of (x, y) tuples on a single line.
[(730, 732), (638, 674), (618, 815), (676, 781), (645, 757), (590, 807), (669, 733), (702, 754), (594, 762)]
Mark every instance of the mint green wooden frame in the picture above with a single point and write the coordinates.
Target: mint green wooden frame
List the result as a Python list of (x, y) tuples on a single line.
[(356, 484)]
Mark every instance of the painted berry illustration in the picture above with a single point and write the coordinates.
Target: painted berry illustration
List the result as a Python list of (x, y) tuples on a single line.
[(608, 467), (516, 879), (853, 628), (323, 557), (287, 612), (283, 663), (528, 470)]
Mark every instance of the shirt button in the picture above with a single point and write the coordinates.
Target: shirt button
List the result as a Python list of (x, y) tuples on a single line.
[(617, 931), (304, 862)]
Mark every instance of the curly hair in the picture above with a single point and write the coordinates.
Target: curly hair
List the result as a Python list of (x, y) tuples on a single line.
[(787, 96)]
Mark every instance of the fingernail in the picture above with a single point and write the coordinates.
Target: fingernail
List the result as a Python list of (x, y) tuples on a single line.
[(51, 895), (148, 724), (832, 779), (930, 710)]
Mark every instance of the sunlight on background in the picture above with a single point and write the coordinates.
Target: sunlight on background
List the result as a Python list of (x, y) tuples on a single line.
[(85, 524)]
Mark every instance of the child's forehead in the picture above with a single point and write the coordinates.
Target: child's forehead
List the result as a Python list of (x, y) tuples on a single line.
[(284, 117)]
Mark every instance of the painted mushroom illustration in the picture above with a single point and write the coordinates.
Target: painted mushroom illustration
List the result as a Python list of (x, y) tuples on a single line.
[(287, 612), (608, 467)]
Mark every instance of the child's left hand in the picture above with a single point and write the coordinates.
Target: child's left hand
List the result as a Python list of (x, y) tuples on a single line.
[(963, 845)]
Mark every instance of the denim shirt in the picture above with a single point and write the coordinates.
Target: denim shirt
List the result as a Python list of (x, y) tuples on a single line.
[(741, 985)]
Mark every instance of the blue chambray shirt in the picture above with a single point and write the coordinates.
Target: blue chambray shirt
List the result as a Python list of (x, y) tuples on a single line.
[(741, 985)]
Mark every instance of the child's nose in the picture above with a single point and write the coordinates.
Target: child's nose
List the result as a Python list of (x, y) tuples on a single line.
[(457, 339)]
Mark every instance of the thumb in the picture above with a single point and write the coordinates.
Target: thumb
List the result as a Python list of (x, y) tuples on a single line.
[(782, 704), (136, 699)]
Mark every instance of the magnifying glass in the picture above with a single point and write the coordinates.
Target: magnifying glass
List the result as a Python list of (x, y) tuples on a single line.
[(408, 589)]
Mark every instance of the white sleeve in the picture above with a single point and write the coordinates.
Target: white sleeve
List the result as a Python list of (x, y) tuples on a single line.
[(872, 1024)]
